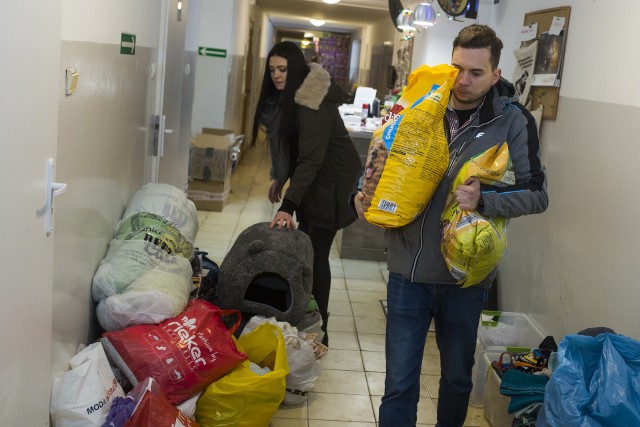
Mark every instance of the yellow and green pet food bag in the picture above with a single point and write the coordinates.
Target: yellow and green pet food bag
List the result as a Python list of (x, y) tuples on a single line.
[(409, 155), (472, 245)]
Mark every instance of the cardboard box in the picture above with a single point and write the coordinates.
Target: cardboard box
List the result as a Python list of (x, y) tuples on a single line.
[(235, 143), (209, 158), (210, 195), (228, 133)]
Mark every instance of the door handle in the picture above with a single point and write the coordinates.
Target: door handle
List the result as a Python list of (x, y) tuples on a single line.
[(163, 120), (53, 189)]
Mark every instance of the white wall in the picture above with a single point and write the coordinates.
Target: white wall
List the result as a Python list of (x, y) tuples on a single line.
[(102, 21), (30, 51), (241, 28), (216, 30), (573, 266)]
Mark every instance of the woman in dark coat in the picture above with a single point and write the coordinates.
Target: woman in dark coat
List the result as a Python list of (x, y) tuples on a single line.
[(311, 148)]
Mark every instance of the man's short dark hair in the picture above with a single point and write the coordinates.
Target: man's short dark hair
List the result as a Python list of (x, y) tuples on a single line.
[(478, 36)]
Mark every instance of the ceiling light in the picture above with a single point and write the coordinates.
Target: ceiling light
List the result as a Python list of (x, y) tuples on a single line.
[(308, 35), (405, 20), (305, 43), (424, 15), (317, 22), (331, 1)]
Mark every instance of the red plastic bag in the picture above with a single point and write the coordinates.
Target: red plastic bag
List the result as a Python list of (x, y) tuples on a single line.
[(155, 410), (183, 354)]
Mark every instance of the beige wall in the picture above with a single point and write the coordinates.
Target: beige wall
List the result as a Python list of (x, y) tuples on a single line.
[(101, 156)]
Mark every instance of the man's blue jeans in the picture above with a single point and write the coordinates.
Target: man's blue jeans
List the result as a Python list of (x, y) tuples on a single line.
[(410, 308)]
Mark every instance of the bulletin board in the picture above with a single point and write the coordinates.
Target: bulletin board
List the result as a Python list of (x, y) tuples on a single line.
[(548, 96)]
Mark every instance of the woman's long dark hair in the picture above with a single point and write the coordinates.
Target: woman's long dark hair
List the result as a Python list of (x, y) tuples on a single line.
[(297, 70)]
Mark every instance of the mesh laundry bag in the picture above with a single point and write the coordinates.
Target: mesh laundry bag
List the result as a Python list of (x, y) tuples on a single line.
[(268, 272)]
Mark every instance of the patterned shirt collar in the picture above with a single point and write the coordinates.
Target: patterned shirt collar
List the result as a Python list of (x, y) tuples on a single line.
[(454, 123)]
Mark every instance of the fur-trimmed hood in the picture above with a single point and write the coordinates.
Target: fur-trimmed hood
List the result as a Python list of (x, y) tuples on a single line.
[(317, 87)]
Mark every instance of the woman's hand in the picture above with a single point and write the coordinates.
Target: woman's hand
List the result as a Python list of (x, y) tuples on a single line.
[(275, 191), (283, 219)]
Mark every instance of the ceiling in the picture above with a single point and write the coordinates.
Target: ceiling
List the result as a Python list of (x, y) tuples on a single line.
[(347, 16)]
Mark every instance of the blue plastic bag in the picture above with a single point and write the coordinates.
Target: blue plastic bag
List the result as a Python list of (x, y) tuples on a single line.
[(597, 383)]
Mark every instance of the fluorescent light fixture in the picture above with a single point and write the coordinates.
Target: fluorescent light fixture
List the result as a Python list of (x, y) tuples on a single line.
[(317, 22), (331, 1), (309, 35), (424, 15), (405, 20)]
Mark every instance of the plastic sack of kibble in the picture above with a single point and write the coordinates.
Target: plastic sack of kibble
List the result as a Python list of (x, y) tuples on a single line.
[(472, 245), (409, 155)]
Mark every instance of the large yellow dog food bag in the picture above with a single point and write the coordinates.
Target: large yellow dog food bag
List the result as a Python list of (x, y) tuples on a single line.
[(408, 155), (472, 245)]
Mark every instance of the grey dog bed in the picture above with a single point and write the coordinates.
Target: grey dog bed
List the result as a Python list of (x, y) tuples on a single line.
[(268, 272)]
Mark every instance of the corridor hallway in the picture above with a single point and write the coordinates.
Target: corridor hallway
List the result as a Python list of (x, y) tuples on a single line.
[(349, 390)]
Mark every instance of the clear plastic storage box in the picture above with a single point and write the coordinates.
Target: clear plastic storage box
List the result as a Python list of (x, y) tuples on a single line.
[(499, 332)]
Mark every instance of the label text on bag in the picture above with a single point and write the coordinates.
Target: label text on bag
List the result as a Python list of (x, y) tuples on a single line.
[(187, 340), (97, 406)]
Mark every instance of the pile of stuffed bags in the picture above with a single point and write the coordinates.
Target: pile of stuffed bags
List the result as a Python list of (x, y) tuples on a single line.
[(146, 275), (167, 358)]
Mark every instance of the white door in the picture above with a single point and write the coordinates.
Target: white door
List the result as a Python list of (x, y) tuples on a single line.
[(171, 151), (29, 84)]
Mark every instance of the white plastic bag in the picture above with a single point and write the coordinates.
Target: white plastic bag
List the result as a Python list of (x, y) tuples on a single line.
[(138, 283), (83, 395), (170, 203)]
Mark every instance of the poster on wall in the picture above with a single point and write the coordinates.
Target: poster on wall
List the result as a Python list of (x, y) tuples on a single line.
[(549, 60), (552, 26), (523, 76)]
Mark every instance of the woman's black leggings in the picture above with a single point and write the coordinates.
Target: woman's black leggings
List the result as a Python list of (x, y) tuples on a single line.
[(321, 240)]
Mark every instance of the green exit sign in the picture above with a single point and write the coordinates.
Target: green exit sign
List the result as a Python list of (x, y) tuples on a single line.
[(212, 51), (127, 44)]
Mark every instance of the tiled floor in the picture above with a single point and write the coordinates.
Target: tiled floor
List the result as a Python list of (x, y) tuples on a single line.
[(349, 390)]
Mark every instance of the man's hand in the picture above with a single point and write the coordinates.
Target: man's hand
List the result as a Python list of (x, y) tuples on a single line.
[(468, 194), (283, 219), (357, 202), (275, 191)]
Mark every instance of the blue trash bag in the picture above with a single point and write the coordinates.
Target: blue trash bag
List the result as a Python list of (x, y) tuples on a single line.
[(596, 383)]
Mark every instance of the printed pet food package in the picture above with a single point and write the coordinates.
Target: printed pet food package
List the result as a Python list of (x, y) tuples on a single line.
[(409, 155), (184, 354), (472, 245)]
